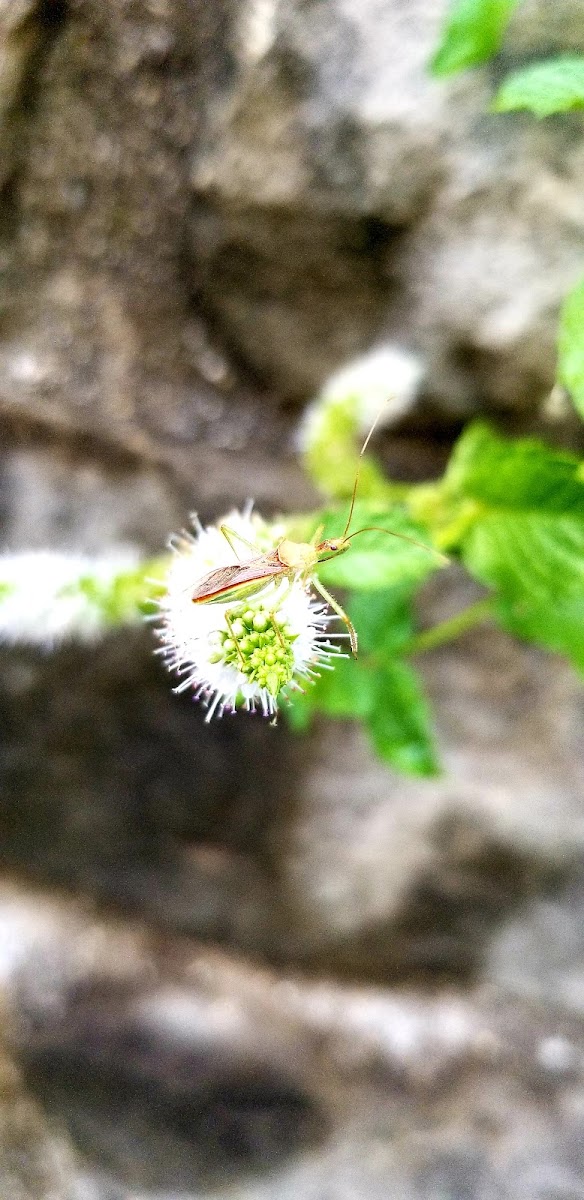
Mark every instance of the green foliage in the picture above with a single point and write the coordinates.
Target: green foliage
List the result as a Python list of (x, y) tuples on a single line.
[(472, 33), (555, 85), (128, 596), (515, 511), (512, 510), (376, 559), (558, 626), (514, 474), (399, 722), (571, 346), (526, 539), (331, 454), (537, 566), (378, 688)]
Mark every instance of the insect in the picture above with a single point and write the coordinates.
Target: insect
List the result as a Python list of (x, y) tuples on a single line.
[(288, 560)]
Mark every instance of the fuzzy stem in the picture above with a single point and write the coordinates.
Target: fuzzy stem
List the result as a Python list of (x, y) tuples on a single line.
[(447, 631)]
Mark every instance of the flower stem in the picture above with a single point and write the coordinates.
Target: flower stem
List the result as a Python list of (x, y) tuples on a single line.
[(447, 631)]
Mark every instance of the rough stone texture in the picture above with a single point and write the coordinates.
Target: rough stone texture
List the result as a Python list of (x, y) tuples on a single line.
[(539, 951), (332, 157), (23, 30), (201, 202), (194, 1072), (100, 344), (36, 1161), (195, 191)]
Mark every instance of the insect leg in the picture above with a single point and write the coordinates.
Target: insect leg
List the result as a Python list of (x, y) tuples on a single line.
[(339, 611), (235, 641), (272, 616), (231, 535)]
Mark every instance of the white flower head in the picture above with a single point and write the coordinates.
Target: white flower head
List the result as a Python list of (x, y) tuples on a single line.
[(48, 597), (381, 385), (250, 650)]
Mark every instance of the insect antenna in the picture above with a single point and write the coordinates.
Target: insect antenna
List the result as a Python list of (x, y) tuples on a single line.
[(361, 453), (404, 537)]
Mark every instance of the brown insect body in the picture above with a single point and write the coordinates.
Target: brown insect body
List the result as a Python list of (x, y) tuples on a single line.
[(289, 559), (217, 584)]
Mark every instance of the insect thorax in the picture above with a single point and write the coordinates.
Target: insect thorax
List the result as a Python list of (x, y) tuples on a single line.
[(298, 556)]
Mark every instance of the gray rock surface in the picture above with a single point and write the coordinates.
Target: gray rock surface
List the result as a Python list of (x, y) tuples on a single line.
[(280, 186), (333, 166), (101, 347), (320, 981), (36, 1159), (208, 1074)]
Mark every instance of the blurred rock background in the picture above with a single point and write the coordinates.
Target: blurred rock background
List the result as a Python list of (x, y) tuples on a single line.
[(234, 963)]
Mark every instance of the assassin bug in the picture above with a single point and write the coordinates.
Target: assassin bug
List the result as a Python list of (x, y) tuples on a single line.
[(289, 560)]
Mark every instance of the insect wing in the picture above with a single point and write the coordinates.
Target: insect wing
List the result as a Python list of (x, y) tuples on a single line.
[(224, 579)]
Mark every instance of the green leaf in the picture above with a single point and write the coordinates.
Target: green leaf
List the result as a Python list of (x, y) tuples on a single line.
[(558, 626), (375, 559), (553, 86), (531, 555), (399, 721), (526, 539), (522, 474), (383, 620), (377, 688), (571, 346), (472, 34), (345, 691), (536, 563)]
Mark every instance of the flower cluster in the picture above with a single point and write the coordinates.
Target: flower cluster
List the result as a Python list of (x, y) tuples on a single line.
[(242, 652), (258, 642), (48, 597)]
